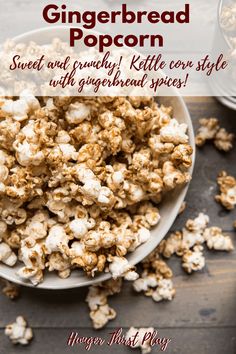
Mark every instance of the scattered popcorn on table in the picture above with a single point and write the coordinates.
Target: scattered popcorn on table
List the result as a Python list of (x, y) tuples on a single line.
[(193, 260), (188, 243), (11, 290), (216, 240), (181, 241), (155, 280), (145, 346), (119, 267), (18, 332), (207, 131), (224, 140), (164, 291), (80, 180), (211, 130), (227, 185), (100, 311)]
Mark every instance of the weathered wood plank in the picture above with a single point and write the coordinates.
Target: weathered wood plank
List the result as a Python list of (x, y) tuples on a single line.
[(206, 298), (185, 341)]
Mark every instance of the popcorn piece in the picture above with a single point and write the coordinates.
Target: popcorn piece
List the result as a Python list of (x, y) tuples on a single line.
[(77, 113), (227, 185), (59, 263), (173, 244), (7, 256), (120, 266), (155, 281), (92, 187), (117, 178), (151, 213), (158, 147), (32, 254), (172, 176), (68, 151), (63, 137), (223, 140), (135, 193), (100, 311), (207, 131), (3, 173), (191, 238), (145, 346), (28, 154), (3, 229), (193, 260), (33, 274), (143, 235), (216, 240), (80, 227), (191, 235), (210, 130), (145, 283), (141, 159), (90, 262), (164, 291), (174, 133), (37, 226), (199, 223), (193, 232), (182, 155), (11, 213), (57, 240), (101, 316), (11, 290), (18, 332), (20, 108)]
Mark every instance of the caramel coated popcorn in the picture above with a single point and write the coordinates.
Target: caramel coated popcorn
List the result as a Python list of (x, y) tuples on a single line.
[(100, 311), (210, 130), (193, 260), (144, 345), (188, 243), (79, 180), (155, 280), (216, 240), (227, 185), (18, 332), (181, 241)]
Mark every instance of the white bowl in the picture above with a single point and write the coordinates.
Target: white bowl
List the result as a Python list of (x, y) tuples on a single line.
[(169, 207)]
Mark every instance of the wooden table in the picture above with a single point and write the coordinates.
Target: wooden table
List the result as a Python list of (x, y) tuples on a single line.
[(202, 317)]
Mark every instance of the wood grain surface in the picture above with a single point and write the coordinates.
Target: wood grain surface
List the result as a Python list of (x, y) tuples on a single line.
[(200, 320)]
